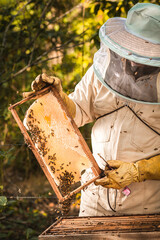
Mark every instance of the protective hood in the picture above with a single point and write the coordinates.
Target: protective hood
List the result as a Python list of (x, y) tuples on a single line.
[(127, 79), (137, 37)]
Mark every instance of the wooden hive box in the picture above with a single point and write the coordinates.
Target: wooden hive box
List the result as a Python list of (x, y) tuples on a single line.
[(104, 228)]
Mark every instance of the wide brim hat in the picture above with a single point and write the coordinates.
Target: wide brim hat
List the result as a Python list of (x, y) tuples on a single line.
[(136, 37)]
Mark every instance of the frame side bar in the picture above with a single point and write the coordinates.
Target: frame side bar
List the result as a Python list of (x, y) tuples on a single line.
[(33, 95), (96, 170)]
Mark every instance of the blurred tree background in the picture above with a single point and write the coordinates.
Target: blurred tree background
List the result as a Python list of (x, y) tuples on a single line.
[(36, 36)]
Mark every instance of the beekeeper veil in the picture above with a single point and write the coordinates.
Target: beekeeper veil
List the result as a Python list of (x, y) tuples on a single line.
[(128, 61)]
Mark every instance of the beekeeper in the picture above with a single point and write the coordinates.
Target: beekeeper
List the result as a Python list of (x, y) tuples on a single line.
[(121, 93)]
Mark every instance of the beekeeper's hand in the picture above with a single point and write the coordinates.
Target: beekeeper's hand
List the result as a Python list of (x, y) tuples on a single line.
[(43, 80), (124, 173)]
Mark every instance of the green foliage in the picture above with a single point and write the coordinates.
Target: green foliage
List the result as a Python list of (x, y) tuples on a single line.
[(23, 220), (3, 201)]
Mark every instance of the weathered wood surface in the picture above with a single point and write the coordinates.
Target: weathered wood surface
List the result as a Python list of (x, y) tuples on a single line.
[(104, 228)]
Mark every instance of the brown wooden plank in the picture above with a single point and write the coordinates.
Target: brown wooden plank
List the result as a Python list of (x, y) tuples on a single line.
[(34, 95), (105, 236), (100, 228), (107, 220)]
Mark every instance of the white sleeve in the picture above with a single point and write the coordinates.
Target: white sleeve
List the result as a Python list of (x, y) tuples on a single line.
[(83, 96)]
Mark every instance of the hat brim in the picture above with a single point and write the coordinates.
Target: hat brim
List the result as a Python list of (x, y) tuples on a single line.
[(115, 35)]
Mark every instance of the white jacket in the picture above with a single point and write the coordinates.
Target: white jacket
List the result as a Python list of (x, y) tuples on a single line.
[(120, 136)]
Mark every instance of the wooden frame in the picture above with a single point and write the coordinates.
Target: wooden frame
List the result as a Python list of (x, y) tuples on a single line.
[(95, 168), (104, 228)]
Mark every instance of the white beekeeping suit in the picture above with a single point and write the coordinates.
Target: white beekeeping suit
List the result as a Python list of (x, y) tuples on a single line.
[(121, 91)]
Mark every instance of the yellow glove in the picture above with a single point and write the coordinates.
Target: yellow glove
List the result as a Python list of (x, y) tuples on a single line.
[(43, 80), (124, 173)]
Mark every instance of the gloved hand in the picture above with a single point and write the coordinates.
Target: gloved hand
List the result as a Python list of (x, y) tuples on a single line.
[(42, 81), (124, 173)]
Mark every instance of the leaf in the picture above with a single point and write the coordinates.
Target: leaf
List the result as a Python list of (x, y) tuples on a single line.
[(3, 201), (29, 232)]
